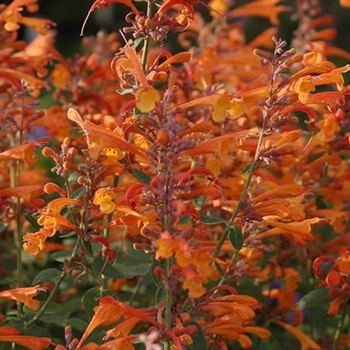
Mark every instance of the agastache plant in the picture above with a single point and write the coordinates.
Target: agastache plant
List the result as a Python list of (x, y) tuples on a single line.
[(175, 199)]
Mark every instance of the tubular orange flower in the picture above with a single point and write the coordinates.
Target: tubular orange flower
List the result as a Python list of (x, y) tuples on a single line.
[(51, 218), (24, 295), (105, 3), (99, 138), (33, 243), (107, 312), (28, 193), (306, 342), (24, 152), (299, 230), (27, 341), (262, 8)]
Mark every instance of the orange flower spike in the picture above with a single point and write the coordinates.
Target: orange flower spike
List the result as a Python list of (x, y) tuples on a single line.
[(105, 3), (24, 295)]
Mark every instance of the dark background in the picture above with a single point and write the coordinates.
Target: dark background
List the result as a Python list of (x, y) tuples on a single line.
[(70, 14)]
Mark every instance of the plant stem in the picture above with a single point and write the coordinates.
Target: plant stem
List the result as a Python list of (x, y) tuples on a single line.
[(340, 327), (246, 186), (147, 41), (54, 290), (18, 232)]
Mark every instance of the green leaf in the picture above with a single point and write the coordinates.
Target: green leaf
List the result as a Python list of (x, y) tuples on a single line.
[(51, 275), (62, 256), (132, 269), (77, 323), (212, 220), (315, 299), (103, 268), (236, 237), (218, 268), (139, 255), (247, 169), (141, 176), (32, 220), (185, 219), (79, 193), (199, 341)]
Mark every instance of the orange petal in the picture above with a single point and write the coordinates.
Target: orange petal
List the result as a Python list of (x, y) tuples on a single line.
[(28, 342), (99, 138), (306, 342)]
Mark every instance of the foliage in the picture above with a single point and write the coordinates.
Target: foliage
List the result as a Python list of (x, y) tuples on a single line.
[(175, 200)]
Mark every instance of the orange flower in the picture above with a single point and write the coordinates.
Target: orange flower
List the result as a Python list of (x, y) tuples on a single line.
[(51, 218), (298, 230), (166, 246), (260, 8), (232, 313), (99, 138), (343, 263), (60, 76), (24, 295), (146, 99), (24, 152), (33, 243), (28, 193), (108, 312), (105, 199), (306, 342), (27, 341), (345, 3), (11, 15), (194, 282)]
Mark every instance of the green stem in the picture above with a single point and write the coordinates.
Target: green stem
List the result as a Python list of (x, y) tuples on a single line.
[(18, 232), (246, 186), (147, 41), (340, 327), (54, 290)]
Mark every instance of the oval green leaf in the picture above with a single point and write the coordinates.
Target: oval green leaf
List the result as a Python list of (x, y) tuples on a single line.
[(236, 237)]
